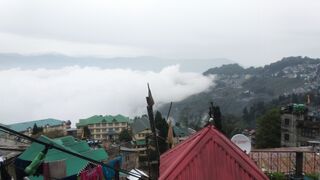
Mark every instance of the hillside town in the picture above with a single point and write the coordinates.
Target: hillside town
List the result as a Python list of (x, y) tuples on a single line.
[(279, 133), (119, 142)]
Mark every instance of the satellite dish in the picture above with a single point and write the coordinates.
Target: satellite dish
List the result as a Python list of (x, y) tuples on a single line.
[(243, 142)]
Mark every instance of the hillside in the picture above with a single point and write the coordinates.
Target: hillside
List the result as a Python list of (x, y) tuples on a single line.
[(238, 88)]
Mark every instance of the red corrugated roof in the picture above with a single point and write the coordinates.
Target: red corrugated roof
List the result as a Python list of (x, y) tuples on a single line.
[(208, 154)]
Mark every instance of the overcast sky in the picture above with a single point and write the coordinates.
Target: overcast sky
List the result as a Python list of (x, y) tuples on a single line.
[(251, 32)]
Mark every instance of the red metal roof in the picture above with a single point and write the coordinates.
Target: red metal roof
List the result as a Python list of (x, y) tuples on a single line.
[(208, 154)]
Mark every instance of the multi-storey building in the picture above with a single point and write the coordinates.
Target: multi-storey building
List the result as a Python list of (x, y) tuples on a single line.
[(47, 125), (103, 127), (299, 125)]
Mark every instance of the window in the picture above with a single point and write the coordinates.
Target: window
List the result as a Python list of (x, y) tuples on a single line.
[(286, 137), (123, 124), (286, 122), (98, 125)]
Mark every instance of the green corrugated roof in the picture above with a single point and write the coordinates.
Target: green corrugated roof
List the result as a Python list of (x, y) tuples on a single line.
[(140, 124), (102, 119), (40, 123), (73, 164), (140, 142), (180, 132)]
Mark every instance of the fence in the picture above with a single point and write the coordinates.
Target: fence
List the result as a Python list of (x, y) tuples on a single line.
[(285, 162)]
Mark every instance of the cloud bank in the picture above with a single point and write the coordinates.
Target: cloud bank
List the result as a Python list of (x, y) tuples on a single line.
[(71, 93)]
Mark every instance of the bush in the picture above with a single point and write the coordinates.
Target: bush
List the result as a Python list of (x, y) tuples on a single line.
[(313, 176)]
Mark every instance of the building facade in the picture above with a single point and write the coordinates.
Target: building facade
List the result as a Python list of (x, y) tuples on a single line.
[(299, 125), (103, 127)]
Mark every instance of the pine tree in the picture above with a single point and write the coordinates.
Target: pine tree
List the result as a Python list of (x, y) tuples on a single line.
[(125, 136), (35, 129)]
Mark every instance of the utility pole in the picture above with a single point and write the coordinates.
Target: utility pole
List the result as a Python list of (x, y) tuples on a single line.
[(150, 103)]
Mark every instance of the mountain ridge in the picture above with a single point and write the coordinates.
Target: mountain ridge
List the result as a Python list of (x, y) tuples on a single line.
[(237, 88), (145, 63)]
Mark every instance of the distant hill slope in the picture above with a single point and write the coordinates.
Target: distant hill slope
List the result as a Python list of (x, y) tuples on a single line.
[(238, 87), (137, 63)]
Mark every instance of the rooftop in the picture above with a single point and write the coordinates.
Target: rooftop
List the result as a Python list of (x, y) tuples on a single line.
[(23, 126), (102, 119), (180, 131), (73, 164), (208, 154), (140, 124)]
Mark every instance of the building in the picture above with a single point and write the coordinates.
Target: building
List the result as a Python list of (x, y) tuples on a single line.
[(205, 155), (299, 125), (46, 124), (71, 132), (181, 133), (140, 130), (73, 164), (103, 127)]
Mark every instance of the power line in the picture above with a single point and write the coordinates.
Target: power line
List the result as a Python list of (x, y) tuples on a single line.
[(72, 153)]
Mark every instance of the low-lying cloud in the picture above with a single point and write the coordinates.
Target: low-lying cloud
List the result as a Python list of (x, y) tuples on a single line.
[(74, 92)]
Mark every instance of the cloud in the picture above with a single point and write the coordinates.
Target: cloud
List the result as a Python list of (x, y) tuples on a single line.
[(75, 92)]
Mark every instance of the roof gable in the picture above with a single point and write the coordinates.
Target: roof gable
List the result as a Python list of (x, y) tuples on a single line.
[(208, 154)]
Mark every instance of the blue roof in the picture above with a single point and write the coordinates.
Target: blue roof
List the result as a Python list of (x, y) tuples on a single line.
[(20, 127)]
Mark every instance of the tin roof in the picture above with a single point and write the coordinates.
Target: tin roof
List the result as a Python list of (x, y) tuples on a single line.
[(102, 119), (23, 126), (140, 124), (73, 164), (208, 154)]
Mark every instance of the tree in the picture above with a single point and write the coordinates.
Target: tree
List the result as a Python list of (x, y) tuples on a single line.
[(232, 125), (268, 134), (162, 126), (35, 129), (217, 118), (125, 136), (245, 115)]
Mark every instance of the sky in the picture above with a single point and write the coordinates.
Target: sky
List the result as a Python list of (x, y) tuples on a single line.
[(252, 33)]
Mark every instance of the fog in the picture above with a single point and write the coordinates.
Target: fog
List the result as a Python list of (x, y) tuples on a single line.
[(71, 93)]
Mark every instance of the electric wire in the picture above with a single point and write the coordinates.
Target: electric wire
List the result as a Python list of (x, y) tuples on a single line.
[(12, 134), (139, 176)]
